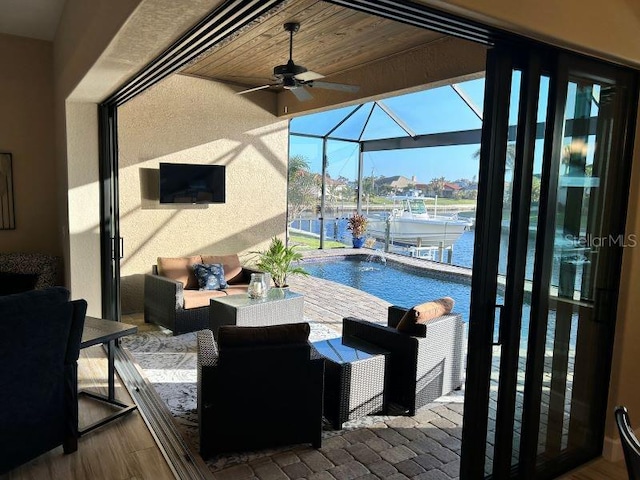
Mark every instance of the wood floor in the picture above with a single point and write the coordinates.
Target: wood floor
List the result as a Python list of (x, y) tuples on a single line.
[(125, 449), (599, 469)]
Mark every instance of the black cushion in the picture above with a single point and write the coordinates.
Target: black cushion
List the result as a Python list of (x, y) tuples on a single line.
[(234, 336), (11, 283)]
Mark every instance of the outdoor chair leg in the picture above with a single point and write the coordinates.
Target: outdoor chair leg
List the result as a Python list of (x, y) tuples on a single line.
[(70, 444)]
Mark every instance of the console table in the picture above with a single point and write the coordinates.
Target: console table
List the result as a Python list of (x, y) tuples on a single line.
[(280, 306), (99, 331)]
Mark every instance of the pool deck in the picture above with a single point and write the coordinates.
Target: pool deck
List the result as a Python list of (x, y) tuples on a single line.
[(425, 446), (329, 302)]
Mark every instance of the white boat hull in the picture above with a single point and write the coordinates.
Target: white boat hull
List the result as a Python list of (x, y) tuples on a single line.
[(432, 232)]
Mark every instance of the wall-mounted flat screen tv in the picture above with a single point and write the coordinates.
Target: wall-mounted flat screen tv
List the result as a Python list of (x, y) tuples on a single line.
[(192, 183)]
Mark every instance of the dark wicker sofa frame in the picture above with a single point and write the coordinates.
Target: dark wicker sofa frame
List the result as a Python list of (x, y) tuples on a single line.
[(421, 368), (164, 304), (256, 397)]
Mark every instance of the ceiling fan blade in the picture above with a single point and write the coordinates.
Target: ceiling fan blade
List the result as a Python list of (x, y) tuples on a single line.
[(301, 94), (308, 76), (262, 87), (335, 86)]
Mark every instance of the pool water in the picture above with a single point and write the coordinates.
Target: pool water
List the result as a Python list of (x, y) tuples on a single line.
[(392, 283)]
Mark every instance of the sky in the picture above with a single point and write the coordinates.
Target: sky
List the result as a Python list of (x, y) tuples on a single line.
[(435, 110), (429, 111)]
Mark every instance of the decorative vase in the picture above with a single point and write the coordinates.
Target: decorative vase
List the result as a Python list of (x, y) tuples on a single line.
[(358, 242), (258, 286), (277, 293)]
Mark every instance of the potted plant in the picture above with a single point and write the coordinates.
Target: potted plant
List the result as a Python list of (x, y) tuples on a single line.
[(357, 225), (279, 260)]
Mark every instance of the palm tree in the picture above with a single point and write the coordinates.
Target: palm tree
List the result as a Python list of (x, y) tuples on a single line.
[(511, 155), (304, 186)]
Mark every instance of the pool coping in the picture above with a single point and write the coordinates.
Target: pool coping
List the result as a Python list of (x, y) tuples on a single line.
[(443, 271)]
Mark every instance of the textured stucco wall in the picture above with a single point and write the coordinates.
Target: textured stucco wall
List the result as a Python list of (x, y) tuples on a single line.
[(98, 46), (190, 120), (26, 99), (84, 205)]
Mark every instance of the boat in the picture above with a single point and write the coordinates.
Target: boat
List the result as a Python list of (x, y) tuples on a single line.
[(409, 223)]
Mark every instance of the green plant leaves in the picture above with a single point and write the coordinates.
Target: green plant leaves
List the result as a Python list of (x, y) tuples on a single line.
[(278, 260)]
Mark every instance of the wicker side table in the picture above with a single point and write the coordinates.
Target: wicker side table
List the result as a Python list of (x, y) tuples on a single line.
[(354, 379), (279, 307)]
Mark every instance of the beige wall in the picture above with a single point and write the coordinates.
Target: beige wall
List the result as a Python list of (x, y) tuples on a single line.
[(625, 389), (84, 204), (26, 131), (605, 29), (190, 120)]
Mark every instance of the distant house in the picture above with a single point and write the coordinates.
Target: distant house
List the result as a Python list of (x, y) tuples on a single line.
[(450, 189), (423, 188), (394, 184)]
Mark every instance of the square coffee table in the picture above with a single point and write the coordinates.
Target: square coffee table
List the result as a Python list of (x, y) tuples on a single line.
[(354, 384), (279, 307)]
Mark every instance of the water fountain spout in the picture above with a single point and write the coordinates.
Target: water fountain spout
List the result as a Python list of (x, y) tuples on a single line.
[(377, 257)]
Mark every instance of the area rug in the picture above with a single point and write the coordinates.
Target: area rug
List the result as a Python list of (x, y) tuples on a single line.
[(169, 363)]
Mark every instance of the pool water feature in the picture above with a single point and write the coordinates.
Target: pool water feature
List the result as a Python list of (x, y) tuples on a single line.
[(393, 282)]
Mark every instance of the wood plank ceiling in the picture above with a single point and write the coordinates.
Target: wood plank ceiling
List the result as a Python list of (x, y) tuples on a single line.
[(331, 40)]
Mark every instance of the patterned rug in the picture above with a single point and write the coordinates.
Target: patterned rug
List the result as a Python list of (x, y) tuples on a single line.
[(169, 364), (427, 443)]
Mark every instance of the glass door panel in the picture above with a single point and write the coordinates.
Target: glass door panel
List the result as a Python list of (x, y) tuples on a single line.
[(585, 240), (505, 223), (549, 238)]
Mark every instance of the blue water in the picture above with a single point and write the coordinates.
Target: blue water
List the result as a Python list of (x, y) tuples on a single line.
[(336, 229), (395, 285)]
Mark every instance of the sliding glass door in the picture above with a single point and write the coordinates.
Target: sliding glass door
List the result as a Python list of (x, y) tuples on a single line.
[(550, 233)]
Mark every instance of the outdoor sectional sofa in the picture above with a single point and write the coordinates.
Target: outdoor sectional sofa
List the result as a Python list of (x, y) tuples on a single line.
[(172, 298)]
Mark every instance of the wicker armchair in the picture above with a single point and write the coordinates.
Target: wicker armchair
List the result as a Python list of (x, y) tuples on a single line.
[(253, 396), (40, 334), (421, 367)]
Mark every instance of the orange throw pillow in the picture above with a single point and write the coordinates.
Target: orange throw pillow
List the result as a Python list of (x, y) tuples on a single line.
[(424, 313), (180, 269)]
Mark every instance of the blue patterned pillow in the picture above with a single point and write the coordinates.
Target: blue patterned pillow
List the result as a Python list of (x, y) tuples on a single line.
[(210, 276)]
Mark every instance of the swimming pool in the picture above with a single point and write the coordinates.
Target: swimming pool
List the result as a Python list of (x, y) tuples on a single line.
[(393, 283)]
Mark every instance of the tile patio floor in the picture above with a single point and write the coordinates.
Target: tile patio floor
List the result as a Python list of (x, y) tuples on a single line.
[(425, 446)]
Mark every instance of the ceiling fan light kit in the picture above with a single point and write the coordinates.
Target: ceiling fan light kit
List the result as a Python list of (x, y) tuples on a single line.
[(294, 77)]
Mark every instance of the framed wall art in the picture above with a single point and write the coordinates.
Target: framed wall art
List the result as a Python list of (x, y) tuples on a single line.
[(7, 208)]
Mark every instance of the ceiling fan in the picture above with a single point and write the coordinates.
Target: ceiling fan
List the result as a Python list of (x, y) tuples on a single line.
[(295, 77)]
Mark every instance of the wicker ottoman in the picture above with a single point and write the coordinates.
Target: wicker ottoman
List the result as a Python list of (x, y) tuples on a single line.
[(354, 379), (278, 308)]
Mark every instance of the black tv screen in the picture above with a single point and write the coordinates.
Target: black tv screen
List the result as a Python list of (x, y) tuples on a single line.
[(192, 183)]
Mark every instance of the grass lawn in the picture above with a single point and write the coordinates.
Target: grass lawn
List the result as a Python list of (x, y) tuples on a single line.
[(308, 243)]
